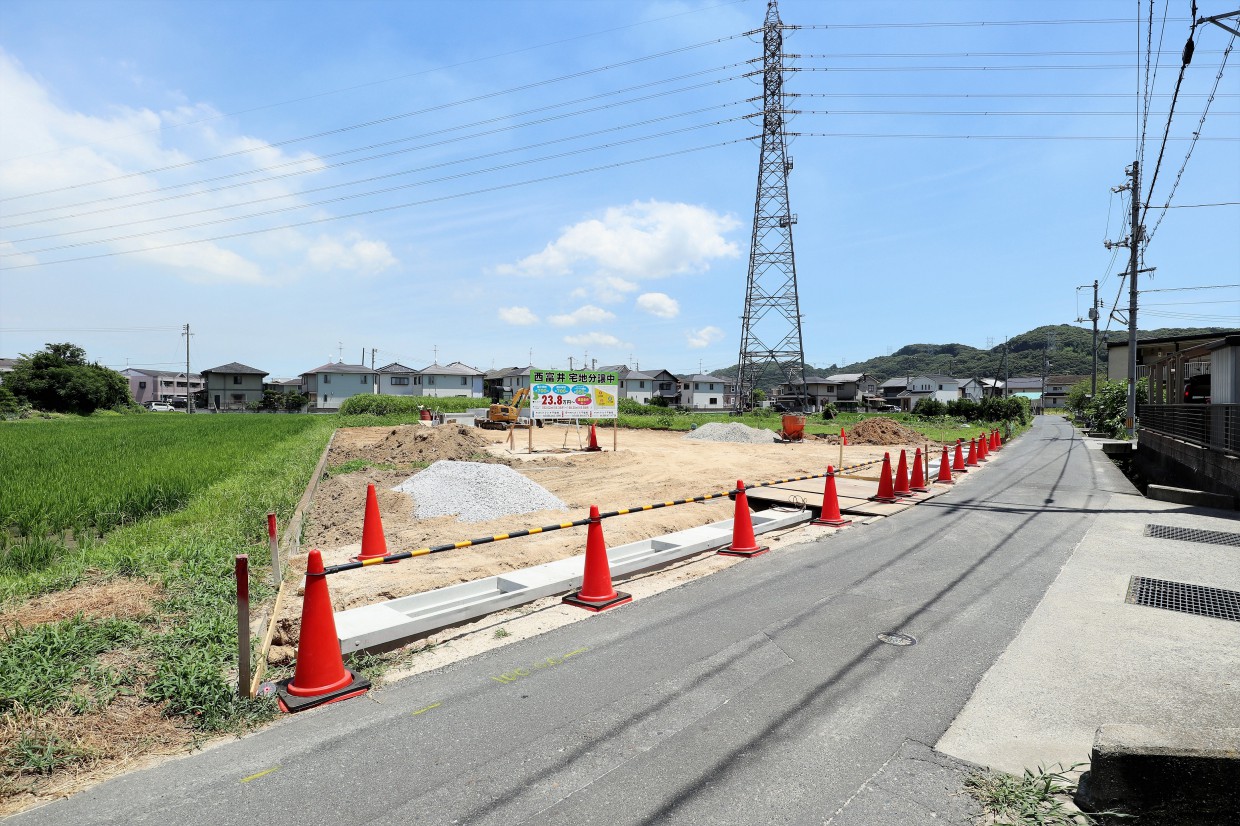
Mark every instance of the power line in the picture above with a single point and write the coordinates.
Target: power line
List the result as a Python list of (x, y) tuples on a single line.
[(1183, 289), (969, 24), (1185, 60)]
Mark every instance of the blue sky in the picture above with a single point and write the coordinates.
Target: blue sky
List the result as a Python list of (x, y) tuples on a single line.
[(483, 179)]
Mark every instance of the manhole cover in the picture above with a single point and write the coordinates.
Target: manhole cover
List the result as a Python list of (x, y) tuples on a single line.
[(897, 639), (1184, 597), (1193, 535)]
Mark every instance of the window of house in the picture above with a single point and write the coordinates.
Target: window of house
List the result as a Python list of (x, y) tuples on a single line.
[(641, 385), (324, 398), (417, 380), (714, 401), (940, 387), (399, 380), (697, 386), (141, 385), (236, 380), (366, 379), (238, 397), (430, 380), (165, 384), (712, 387), (327, 379), (464, 381)]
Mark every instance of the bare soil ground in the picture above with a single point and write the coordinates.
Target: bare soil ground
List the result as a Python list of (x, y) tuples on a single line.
[(649, 466)]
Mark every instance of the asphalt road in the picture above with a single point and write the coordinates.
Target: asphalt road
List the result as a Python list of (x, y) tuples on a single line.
[(760, 694)]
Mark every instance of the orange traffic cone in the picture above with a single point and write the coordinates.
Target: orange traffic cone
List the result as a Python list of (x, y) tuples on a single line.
[(994, 439), (958, 461), (886, 491), (593, 438), (981, 449), (320, 677), (744, 543), (902, 489), (945, 469), (596, 592), (972, 460), (998, 440), (830, 514), (918, 485), (843, 437), (373, 542)]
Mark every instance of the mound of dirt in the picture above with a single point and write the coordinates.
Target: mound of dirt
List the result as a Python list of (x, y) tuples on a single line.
[(880, 431), (409, 444)]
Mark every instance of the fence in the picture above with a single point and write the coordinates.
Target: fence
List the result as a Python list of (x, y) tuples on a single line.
[(1214, 426)]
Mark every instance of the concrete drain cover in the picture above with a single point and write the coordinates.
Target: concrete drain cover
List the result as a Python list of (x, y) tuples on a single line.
[(1193, 535), (1184, 597), (897, 639)]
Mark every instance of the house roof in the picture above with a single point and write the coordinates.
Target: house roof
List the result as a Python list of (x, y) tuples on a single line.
[(508, 372), (339, 367), (7, 364), (1024, 382), (635, 374), (156, 374), (899, 381), (701, 377), (286, 382), (841, 378), (236, 367), (1068, 380), (1203, 337), (456, 368), (396, 367)]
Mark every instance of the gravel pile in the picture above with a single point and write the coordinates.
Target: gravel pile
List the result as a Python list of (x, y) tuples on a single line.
[(475, 492), (732, 432)]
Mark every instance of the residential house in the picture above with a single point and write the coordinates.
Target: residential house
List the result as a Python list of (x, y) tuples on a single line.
[(330, 384), (665, 386), (850, 390), (232, 386), (6, 366), (941, 388), (396, 379), (979, 388), (500, 385), (632, 384), (285, 386), (1151, 350), (455, 379), (161, 385), (702, 391), (1055, 392), (1028, 386), (891, 389)]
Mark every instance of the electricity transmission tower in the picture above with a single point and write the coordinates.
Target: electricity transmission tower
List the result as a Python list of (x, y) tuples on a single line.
[(771, 324)]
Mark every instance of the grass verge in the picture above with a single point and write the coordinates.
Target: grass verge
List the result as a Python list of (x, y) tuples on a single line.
[(1035, 798)]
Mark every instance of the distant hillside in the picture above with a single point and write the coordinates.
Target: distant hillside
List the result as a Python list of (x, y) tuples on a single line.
[(1070, 355)]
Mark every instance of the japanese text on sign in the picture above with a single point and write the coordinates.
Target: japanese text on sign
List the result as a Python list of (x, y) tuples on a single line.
[(569, 394)]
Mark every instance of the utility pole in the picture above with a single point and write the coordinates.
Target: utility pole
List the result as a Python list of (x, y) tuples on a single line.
[(189, 397), (1006, 391), (1133, 242), (570, 364), (1093, 317), (771, 322), (378, 383)]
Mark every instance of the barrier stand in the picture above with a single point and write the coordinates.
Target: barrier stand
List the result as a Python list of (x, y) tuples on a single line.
[(242, 571), (275, 550)]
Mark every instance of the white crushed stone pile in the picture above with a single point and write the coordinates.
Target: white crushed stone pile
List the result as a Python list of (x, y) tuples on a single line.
[(475, 492), (731, 432)]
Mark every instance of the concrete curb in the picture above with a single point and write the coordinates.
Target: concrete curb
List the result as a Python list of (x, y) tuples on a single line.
[(1164, 776)]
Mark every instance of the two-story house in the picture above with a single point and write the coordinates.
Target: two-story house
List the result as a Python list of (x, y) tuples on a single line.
[(702, 391), (501, 384), (147, 385), (455, 379), (665, 386), (979, 388), (330, 384), (940, 388), (232, 386), (1055, 392), (396, 379)]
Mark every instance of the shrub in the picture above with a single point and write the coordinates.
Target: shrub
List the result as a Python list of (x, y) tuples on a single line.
[(930, 407), (830, 411)]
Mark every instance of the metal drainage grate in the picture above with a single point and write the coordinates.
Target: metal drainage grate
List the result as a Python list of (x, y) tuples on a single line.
[(893, 638), (1193, 535), (1184, 597)]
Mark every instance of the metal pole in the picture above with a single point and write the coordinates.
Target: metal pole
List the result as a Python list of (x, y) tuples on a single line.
[(1093, 315), (189, 397), (1134, 244), (242, 570)]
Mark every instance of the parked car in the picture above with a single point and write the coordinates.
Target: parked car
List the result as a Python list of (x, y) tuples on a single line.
[(160, 407), (1197, 389)]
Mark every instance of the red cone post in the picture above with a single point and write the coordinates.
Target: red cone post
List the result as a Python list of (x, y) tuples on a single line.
[(320, 676), (981, 448), (843, 437), (886, 490), (994, 440), (593, 438), (744, 543), (596, 592), (902, 488), (945, 469), (374, 545), (918, 484), (958, 461), (830, 514), (972, 460)]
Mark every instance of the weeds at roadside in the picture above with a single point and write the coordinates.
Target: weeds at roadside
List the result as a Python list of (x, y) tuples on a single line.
[(500, 633), (1038, 798)]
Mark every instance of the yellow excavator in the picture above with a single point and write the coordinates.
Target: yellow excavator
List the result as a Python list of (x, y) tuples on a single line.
[(504, 416)]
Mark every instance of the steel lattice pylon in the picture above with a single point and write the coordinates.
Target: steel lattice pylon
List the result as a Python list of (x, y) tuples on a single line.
[(771, 324)]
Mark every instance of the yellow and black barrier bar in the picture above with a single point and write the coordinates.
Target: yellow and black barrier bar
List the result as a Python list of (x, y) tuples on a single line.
[(576, 523)]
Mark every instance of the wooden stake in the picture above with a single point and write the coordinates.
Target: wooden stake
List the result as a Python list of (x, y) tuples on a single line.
[(615, 433)]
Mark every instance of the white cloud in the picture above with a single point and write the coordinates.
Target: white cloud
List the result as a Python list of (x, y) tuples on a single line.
[(659, 304), (589, 314), (643, 240), (596, 340), (353, 253), (520, 316), (704, 337), (124, 174)]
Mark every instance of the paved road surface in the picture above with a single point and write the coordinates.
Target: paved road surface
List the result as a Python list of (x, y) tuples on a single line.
[(760, 694)]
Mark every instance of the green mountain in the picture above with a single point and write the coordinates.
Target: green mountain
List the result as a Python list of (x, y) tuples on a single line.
[(1069, 354)]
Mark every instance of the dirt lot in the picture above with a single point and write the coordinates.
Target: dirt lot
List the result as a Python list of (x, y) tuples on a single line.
[(649, 466)]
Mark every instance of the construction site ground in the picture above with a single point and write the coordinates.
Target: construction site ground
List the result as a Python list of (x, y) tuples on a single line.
[(647, 466)]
